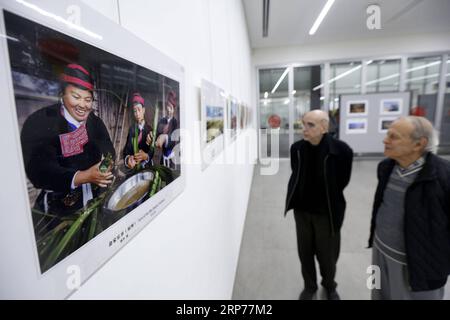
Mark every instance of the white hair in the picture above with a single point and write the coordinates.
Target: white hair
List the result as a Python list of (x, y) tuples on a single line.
[(424, 129)]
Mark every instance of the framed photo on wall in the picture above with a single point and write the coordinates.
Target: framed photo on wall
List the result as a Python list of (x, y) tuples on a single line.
[(384, 123), (233, 117), (82, 108), (213, 109), (391, 106), (357, 108), (356, 126)]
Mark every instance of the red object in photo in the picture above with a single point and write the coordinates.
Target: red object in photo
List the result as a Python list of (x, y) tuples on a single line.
[(72, 143), (274, 121), (418, 111), (58, 51)]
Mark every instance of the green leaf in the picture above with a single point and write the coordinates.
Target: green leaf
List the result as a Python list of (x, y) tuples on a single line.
[(53, 232), (72, 232), (135, 140), (93, 225)]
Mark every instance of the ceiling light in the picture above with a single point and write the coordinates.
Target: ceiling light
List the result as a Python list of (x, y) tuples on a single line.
[(424, 77), (395, 75), (266, 4), (424, 66), (294, 91), (279, 80), (346, 73), (59, 19), (266, 94), (321, 16), (8, 37)]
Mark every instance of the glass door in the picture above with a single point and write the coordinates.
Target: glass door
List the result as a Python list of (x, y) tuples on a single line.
[(274, 113), (285, 95), (305, 98)]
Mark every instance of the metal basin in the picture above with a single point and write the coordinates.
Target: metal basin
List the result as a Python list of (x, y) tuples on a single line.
[(131, 193)]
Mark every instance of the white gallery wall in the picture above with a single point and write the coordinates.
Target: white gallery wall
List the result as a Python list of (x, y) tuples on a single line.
[(191, 250)]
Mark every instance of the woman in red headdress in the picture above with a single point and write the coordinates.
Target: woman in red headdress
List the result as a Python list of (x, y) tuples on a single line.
[(141, 133), (63, 145), (165, 139)]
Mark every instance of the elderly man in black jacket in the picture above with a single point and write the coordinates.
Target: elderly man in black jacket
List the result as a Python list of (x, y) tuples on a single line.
[(410, 228), (321, 169)]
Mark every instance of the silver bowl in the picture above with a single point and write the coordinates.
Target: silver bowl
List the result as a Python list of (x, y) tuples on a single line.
[(130, 193)]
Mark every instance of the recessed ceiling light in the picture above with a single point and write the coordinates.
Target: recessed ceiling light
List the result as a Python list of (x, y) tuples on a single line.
[(321, 16), (280, 79)]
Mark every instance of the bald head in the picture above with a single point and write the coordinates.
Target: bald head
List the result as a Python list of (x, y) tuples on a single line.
[(315, 125), (320, 116)]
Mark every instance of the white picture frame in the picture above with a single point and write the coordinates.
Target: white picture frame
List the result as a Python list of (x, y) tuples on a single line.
[(357, 108), (233, 118), (384, 122), (391, 106), (356, 126), (21, 277), (213, 122)]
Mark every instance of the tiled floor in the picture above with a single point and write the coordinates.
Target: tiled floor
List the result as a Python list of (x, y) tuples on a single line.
[(269, 267)]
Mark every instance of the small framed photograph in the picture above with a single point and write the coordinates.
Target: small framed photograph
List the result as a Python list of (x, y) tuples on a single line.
[(384, 124), (357, 108), (356, 126), (391, 106), (233, 118), (213, 105), (214, 122)]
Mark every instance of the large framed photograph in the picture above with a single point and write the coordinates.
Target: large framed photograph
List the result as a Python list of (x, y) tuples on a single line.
[(213, 108), (391, 106), (94, 144), (357, 108), (356, 126)]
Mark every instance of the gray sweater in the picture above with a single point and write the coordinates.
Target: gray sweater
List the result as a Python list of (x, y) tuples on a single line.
[(389, 232)]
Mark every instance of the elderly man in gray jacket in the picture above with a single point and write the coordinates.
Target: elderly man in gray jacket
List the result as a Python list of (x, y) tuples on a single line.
[(410, 228)]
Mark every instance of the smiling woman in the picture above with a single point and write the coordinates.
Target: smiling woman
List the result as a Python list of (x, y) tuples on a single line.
[(83, 139), (77, 92)]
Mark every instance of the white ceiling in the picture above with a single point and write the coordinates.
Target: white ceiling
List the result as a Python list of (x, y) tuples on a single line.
[(290, 20)]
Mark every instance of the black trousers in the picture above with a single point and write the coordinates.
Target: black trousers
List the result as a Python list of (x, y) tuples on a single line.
[(314, 239)]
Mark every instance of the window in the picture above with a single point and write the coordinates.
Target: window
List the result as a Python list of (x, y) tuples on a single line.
[(274, 109), (305, 98), (345, 78), (383, 76), (422, 79)]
